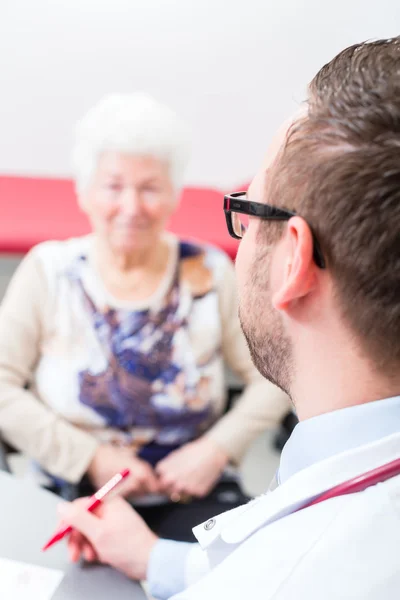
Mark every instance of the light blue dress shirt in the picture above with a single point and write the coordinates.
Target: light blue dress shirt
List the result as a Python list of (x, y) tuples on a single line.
[(312, 440)]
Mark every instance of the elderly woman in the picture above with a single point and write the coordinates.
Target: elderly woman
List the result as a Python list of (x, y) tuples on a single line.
[(112, 345)]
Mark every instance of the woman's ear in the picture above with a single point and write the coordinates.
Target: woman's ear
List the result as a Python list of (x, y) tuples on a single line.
[(83, 200), (175, 201)]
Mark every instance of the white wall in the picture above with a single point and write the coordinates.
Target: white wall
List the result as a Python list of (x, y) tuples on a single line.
[(233, 68)]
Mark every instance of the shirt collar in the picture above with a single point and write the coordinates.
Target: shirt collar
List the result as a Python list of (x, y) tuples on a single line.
[(329, 434)]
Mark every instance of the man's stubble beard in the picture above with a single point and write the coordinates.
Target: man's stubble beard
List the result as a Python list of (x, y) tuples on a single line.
[(269, 346)]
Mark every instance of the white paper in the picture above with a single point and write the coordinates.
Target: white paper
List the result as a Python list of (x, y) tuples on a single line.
[(21, 581)]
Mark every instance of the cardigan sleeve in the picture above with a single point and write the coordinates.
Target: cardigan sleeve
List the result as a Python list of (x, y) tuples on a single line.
[(59, 447)]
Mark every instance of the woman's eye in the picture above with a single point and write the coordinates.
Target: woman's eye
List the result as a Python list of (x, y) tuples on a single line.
[(150, 195), (113, 186)]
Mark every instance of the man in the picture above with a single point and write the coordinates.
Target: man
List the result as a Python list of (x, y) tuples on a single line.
[(319, 286)]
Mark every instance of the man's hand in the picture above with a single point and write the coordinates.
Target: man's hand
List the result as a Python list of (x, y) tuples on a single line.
[(193, 469), (115, 535), (110, 460)]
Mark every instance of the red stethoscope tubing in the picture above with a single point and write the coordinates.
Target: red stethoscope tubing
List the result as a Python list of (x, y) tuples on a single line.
[(360, 483)]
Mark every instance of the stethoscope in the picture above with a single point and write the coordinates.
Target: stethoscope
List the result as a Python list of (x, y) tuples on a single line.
[(360, 483)]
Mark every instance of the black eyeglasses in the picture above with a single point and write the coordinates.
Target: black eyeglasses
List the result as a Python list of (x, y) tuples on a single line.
[(237, 210)]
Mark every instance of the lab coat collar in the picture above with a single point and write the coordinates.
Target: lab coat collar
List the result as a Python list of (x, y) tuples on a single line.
[(235, 526)]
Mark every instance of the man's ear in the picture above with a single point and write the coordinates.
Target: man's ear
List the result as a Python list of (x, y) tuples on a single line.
[(299, 277)]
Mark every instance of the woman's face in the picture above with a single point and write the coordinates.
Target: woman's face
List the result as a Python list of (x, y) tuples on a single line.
[(129, 200)]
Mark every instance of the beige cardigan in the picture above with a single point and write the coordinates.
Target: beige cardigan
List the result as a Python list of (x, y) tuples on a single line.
[(64, 444)]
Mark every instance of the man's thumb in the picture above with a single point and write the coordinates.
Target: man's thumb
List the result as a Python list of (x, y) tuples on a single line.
[(80, 519)]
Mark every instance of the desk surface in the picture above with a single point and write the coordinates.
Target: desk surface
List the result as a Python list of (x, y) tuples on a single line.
[(27, 520)]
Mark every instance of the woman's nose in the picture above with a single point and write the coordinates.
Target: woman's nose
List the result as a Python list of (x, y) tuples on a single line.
[(130, 202)]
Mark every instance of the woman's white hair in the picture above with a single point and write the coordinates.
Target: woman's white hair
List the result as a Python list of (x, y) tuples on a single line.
[(133, 124)]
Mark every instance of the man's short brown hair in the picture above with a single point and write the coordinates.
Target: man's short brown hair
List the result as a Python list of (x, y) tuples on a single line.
[(340, 170)]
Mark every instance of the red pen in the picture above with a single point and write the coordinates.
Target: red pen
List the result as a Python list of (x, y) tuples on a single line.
[(94, 502)]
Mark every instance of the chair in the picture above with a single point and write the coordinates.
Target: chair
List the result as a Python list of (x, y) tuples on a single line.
[(200, 215), (285, 430), (4, 451)]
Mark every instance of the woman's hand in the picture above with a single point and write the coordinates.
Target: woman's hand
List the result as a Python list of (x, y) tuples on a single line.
[(110, 460), (115, 535), (193, 469)]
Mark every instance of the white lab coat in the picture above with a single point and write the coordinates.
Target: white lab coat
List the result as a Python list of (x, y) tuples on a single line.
[(344, 548)]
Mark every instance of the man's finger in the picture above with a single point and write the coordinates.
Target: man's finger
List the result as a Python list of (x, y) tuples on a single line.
[(76, 537), (73, 553), (76, 542), (82, 520), (89, 552), (74, 549)]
